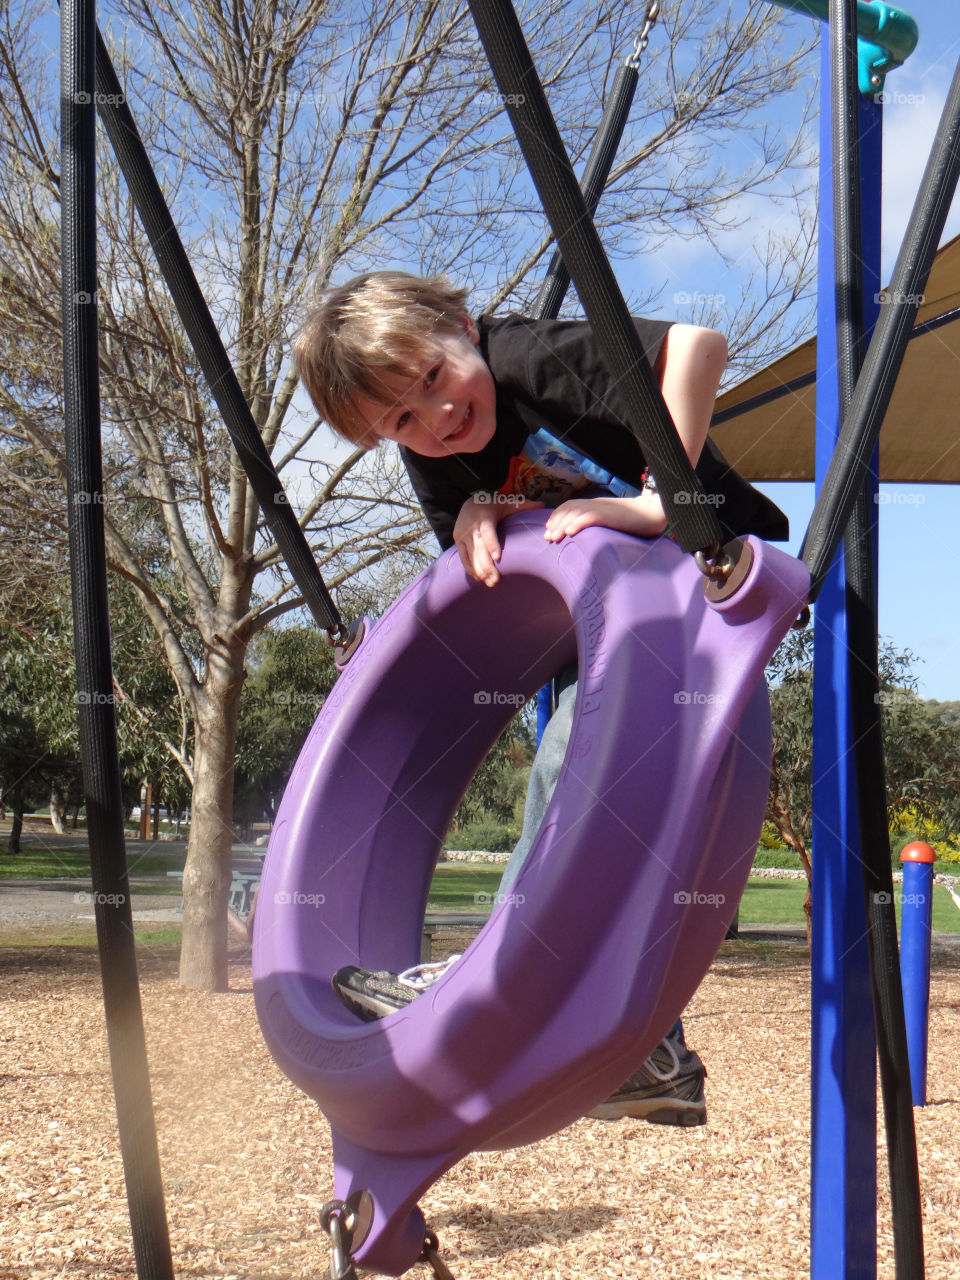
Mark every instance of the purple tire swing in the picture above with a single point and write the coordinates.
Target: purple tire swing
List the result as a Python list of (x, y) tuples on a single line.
[(624, 899)]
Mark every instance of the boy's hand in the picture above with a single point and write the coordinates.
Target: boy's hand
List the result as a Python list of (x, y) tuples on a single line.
[(475, 534), (642, 516)]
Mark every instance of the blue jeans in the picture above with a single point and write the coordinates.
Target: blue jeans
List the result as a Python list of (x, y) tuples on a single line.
[(544, 774)]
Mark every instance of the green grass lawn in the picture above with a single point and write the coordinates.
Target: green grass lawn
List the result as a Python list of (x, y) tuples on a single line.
[(64, 863), (471, 887), (467, 888)]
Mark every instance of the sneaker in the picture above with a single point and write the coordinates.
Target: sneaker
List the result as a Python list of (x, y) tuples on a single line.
[(667, 1089), (374, 993)]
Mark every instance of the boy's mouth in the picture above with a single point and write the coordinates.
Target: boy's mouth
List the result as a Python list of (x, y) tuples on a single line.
[(464, 427)]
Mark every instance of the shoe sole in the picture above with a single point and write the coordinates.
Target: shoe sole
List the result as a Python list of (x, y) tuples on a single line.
[(686, 1115)]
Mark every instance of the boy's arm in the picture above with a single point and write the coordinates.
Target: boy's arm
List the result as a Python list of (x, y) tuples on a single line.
[(688, 367), (642, 516)]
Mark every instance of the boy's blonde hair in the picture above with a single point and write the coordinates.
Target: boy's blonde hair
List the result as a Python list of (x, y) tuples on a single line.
[(374, 326)]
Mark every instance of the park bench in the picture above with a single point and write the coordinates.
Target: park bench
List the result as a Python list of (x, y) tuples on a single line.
[(242, 888)]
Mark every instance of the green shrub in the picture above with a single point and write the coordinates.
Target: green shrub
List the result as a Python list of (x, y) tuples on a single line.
[(946, 850), (777, 857), (490, 837), (770, 837)]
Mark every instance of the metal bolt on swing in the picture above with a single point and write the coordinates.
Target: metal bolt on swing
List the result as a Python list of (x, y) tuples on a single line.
[(345, 640), (725, 568)]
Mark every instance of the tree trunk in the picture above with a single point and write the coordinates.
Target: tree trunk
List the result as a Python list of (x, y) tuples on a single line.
[(57, 811), (207, 872), (808, 896), (16, 809)]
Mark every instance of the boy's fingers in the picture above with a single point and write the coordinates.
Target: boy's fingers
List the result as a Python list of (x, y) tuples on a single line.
[(486, 554), (477, 558)]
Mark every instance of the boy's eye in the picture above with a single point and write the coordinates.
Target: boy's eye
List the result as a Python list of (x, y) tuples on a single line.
[(403, 420), (432, 375)]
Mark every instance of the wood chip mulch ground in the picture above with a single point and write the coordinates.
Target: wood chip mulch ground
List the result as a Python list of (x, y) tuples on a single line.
[(246, 1157)]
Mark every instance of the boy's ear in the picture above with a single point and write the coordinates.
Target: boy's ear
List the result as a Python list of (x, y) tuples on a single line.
[(471, 330)]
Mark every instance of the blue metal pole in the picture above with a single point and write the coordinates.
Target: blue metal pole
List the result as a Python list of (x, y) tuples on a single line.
[(843, 1044), (544, 708), (916, 913)]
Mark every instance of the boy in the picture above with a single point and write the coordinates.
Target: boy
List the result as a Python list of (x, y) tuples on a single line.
[(491, 416)]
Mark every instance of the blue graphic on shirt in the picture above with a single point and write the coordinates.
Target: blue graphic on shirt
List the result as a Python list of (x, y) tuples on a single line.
[(550, 471)]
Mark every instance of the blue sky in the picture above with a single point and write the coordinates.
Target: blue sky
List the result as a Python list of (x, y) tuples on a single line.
[(919, 528)]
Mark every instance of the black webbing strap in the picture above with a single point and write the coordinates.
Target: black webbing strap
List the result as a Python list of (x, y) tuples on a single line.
[(862, 664), (88, 575), (693, 523), (861, 427), (205, 339)]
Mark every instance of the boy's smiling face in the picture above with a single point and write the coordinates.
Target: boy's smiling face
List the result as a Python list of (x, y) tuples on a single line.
[(449, 407)]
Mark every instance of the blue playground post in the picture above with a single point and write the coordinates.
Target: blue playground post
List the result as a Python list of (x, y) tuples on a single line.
[(544, 708), (843, 1208), (916, 911)]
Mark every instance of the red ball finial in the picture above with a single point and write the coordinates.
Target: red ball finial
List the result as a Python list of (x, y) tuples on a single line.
[(917, 851)]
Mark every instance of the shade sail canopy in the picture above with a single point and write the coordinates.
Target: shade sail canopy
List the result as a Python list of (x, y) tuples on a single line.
[(765, 425)]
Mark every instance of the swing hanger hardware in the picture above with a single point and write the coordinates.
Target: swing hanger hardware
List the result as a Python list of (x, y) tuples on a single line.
[(725, 568), (430, 1254), (347, 1223), (715, 563), (345, 640), (641, 41)]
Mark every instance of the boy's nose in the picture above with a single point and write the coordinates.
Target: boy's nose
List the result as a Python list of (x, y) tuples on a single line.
[(443, 418)]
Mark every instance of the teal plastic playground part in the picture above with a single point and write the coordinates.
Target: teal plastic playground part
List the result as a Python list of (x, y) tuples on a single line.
[(886, 37)]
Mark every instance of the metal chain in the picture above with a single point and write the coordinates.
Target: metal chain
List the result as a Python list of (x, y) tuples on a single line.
[(338, 1221), (643, 39), (430, 1254)]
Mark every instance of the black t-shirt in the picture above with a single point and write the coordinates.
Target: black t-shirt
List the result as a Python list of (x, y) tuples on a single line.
[(549, 373)]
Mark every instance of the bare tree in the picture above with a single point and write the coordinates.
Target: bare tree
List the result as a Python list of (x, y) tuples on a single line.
[(316, 138)]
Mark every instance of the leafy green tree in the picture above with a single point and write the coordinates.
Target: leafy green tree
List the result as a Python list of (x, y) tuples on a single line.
[(290, 673), (39, 747), (497, 791), (921, 748)]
